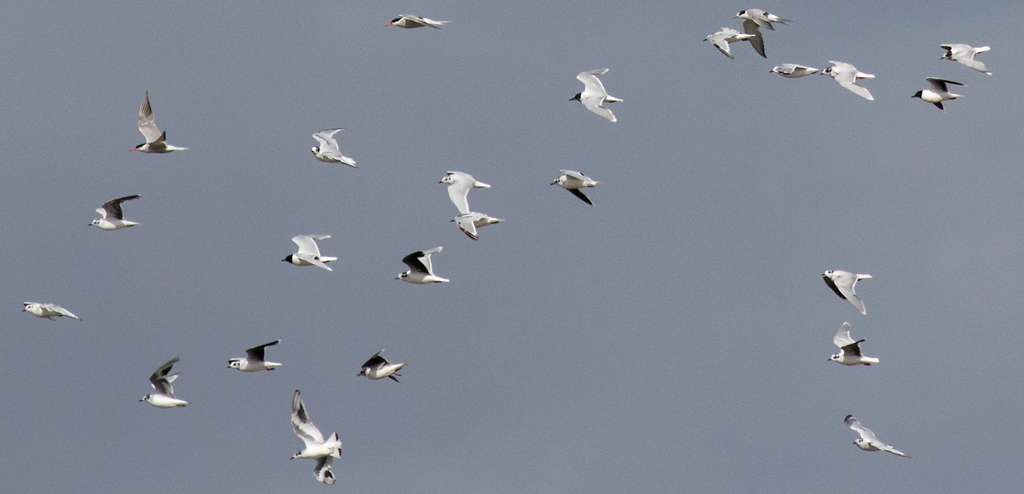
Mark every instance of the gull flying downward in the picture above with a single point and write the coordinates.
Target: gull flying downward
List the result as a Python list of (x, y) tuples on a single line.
[(849, 350), (722, 38), (410, 21), (113, 215), (420, 270), (328, 151), (316, 447), (847, 75), (965, 55), (161, 382), (843, 283), (867, 440), (594, 95), (309, 253), (378, 367), (253, 361), (573, 181), (47, 311), (156, 142), (938, 92)]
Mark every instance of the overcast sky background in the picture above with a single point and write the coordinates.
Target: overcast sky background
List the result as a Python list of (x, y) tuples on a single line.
[(673, 337)]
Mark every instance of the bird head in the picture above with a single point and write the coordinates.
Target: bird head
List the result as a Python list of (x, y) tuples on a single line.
[(403, 276), (577, 97), (917, 94), (235, 363), (287, 259)]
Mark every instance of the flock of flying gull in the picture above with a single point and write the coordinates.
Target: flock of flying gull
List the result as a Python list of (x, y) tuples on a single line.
[(844, 73), (459, 184)]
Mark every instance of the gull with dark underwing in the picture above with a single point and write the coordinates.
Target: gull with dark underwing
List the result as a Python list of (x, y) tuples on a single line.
[(843, 283)]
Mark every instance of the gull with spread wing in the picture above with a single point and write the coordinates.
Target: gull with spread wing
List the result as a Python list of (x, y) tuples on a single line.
[(316, 447), (156, 142), (309, 253)]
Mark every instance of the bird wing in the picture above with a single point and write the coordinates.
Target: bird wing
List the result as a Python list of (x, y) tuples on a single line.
[(256, 353), (579, 193), (426, 259), (591, 83), (160, 381), (313, 260), (301, 425), (719, 40), (459, 189), (307, 244), (976, 65), (60, 310), (889, 449), (322, 470), (750, 27), (574, 174), (846, 75), (147, 124), (112, 208), (375, 361), (327, 142), (842, 338), (466, 224), (844, 283), (864, 432), (593, 103), (940, 84), (415, 261)]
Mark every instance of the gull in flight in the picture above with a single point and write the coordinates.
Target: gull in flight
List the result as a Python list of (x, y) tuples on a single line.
[(573, 181), (594, 95), (155, 140), (48, 311), (965, 55), (316, 447), (847, 75), (378, 367), (760, 18), (161, 382), (410, 21), (309, 253), (458, 188), (113, 215), (328, 151), (849, 350), (722, 38), (867, 440), (469, 222), (843, 283), (420, 270), (792, 70), (253, 360), (938, 93)]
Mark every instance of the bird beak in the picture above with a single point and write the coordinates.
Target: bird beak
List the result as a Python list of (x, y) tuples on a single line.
[(552, 183)]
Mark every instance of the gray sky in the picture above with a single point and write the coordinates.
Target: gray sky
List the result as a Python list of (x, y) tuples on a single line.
[(671, 338)]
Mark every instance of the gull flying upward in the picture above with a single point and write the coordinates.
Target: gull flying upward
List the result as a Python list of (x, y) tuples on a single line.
[(965, 55), (155, 140), (161, 382), (594, 95), (410, 21), (722, 38), (253, 361), (849, 350), (328, 151), (573, 181), (847, 75), (792, 70), (420, 270), (867, 440), (113, 215), (938, 93), (843, 283), (316, 447), (378, 367), (458, 188), (309, 253), (48, 311)]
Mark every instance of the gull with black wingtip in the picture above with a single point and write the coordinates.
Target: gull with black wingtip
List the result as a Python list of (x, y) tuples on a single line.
[(378, 367), (254, 359)]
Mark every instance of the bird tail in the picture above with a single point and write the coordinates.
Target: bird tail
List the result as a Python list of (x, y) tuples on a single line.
[(328, 258), (481, 185), (862, 75), (982, 49), (611, 99)]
